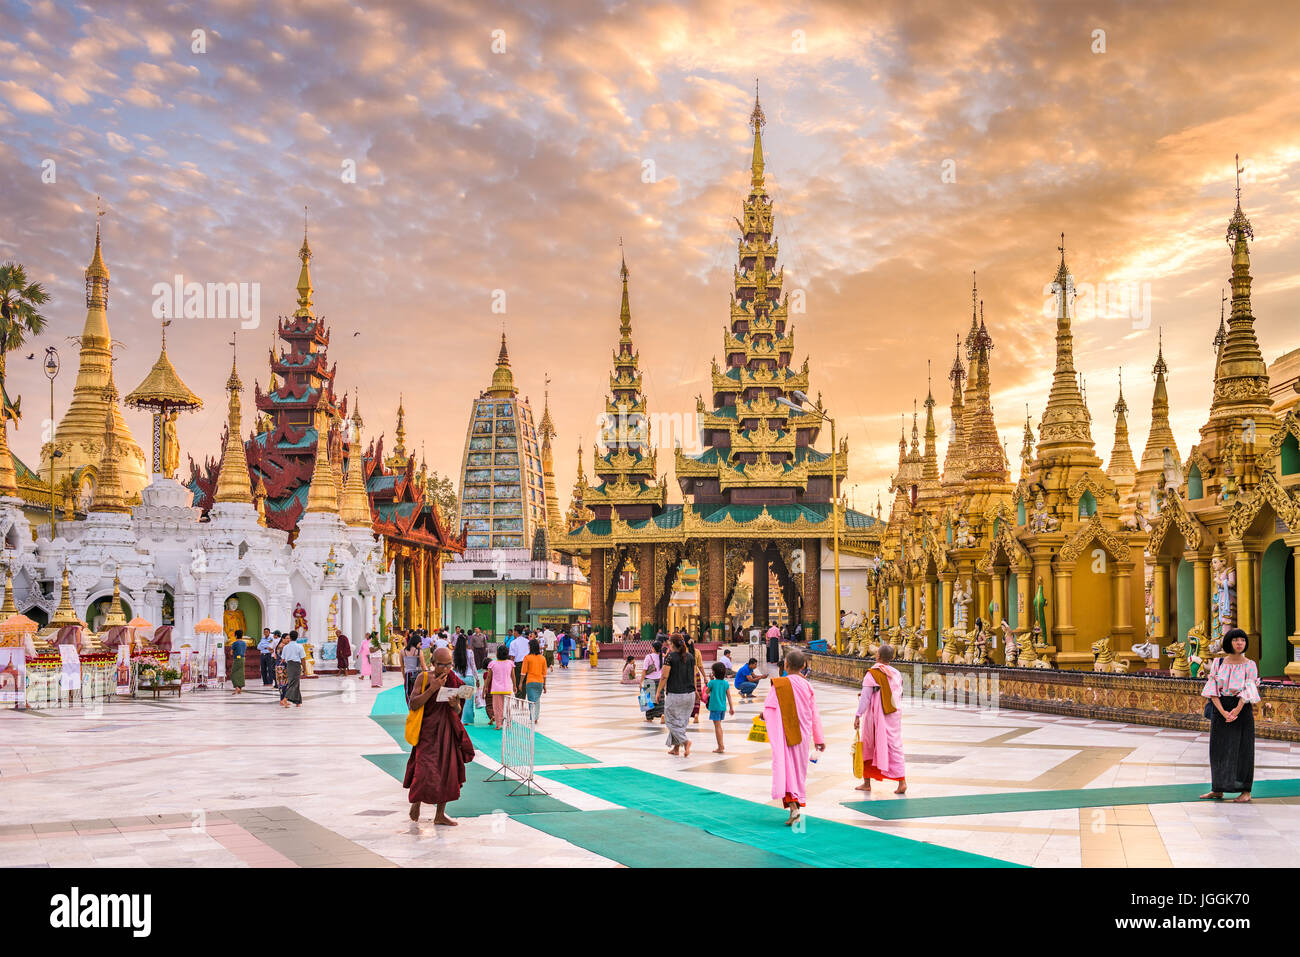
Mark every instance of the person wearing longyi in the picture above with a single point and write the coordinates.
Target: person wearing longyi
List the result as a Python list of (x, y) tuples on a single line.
[(435, 771), (790, 712), (880, 724)]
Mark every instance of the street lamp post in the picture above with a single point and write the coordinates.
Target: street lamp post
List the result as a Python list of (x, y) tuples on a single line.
[(801, 406), (51, 372)]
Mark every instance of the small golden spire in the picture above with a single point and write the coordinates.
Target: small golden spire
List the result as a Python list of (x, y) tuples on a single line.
[(259, 497), (232, 481), (65, 614), (304, 274), (323, 495), (9, 608)]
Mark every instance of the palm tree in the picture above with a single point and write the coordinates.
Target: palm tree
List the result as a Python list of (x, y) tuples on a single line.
[(19, 318)]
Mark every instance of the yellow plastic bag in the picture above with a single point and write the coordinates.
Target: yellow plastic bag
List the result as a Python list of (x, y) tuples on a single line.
[(857, 759), (415, 717), (758, 730)]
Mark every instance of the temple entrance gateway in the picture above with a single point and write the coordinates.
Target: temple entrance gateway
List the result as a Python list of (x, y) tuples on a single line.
[(1277, 608), (759, 494)]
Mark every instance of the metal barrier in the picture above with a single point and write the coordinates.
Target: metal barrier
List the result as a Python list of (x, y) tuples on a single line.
[(518, 738)]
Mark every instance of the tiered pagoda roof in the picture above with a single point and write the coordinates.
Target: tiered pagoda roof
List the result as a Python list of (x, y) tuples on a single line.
[(758, 451)]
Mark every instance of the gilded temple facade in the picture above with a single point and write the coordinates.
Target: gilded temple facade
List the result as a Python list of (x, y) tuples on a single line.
[(759, 496), (1135, 565)]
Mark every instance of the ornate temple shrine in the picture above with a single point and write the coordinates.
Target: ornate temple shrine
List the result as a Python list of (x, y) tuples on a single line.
[(760, 495), (151, 552), (1087, 564), (509, 513), (285, 470)]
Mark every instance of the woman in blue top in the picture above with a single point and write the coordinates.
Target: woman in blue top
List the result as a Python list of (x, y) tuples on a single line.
[(238, 648)]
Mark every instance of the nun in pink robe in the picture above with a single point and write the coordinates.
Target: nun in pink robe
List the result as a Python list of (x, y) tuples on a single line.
[(363, 656), (790, 761), (881, 733)]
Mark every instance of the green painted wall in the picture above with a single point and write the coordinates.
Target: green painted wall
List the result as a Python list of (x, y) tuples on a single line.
[(1277, 612)]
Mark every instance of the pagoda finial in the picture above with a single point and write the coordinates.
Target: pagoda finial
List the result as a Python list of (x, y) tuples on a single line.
[(1121, 407), (1239, 228), (757, 120), (1160, 369), (323, 494), (97, 272), (304, 274), (625, 309)]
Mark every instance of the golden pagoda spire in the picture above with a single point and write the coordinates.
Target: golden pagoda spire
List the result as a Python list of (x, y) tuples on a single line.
[(503, 380), (65, 614), (9, 609), (115, 616), (80, 431), (233, 482), (1064, 434), (930, 462), (757, 120), (259, 498), (954, 458), (1161, 436), (323, 495), (356, 503), (1027, 447), (108, 486), (985, 457), (304, 275), (1122, 470), (1241, 376)]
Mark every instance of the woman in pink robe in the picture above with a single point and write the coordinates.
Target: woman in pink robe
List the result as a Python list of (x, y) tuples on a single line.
[(363, 656), (790, 761), (881, 733)]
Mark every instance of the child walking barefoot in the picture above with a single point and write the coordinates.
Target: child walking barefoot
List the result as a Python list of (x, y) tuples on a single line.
[(719, 701)]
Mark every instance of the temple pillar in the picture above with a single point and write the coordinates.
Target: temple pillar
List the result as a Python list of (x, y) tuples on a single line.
[(645, 574), (1121, 602), (1064, 630), (983, 596), (759, 559), (812, 590), (1292, 669), (704, 597), (1246, 592), (895, 603), (1024, 611), (1200, 590), (995, 614), (1160, 601), (600, 616), (946, 600), (716, 560), (501, 617)]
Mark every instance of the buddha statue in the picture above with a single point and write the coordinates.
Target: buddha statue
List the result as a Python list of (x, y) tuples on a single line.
[(232, 619)]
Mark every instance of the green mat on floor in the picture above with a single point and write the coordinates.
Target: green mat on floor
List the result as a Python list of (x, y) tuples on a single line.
[(478, 796), (638, 839), (487, 739), (821, 843), (390, 701), (546, 751), (901, 809)]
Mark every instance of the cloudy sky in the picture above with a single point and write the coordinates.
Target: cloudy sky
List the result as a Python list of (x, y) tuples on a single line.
[(500, 148)]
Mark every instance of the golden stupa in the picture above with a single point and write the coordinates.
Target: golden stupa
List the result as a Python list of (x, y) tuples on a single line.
[(80, 433)]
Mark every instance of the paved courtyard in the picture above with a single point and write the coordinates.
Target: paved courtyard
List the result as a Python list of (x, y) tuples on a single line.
[(216, 780)]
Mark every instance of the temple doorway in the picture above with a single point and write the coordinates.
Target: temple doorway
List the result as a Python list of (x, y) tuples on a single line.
[(1277, 608), (241, 610), (98, 608)]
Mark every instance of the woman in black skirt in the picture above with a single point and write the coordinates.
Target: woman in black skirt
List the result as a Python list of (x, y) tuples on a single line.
[(1233, 691)]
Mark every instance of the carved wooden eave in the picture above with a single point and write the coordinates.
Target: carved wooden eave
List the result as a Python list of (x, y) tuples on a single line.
[(1004, 540), (1116, 545), (1248, 505), (1089, 482), (1174, 512)]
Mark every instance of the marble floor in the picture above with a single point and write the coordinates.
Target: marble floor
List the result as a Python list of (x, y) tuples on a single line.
[(213, 779)]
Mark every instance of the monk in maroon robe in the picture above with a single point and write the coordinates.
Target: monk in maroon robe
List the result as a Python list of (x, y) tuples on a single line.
[(344, 653), (436, 769)]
